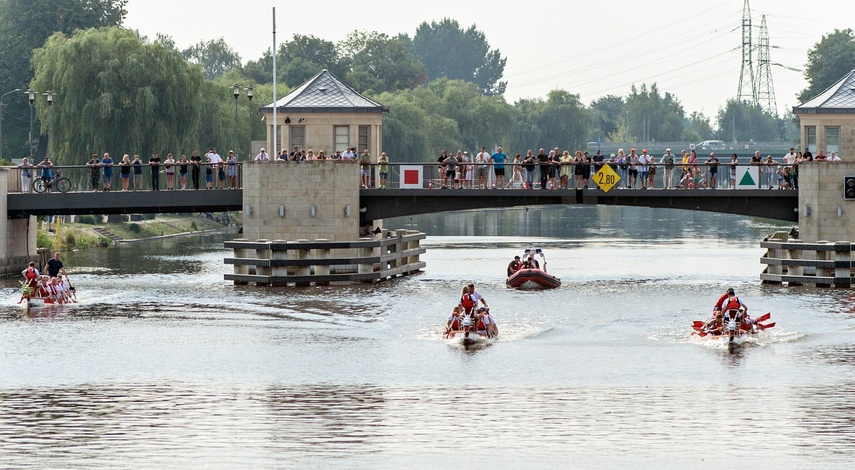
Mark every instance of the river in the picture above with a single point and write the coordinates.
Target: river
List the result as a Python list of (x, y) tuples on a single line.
[(164, 364)]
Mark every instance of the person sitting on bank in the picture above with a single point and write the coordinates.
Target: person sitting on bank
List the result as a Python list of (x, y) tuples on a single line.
[(514, 266)]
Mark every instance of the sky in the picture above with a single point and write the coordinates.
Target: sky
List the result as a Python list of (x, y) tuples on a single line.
[(592, 48)]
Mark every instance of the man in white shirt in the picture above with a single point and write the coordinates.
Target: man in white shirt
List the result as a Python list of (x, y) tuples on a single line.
[(215, 160), (790, 158), (348, 155), (834, 157), (262, 156)]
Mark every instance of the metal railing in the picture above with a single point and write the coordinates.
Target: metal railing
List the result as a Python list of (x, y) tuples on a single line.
[(139, 178), (429, 176), (517, 176)]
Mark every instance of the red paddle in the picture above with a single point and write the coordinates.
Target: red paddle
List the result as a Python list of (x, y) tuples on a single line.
[(768, 325), (764, 317)]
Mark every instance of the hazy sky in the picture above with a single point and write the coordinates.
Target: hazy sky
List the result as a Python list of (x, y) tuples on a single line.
[(593, 48)]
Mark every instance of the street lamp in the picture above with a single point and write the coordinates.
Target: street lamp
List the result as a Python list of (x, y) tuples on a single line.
[(236, 90), (1, 117), (49, 95), (249, 95), (31, 96)]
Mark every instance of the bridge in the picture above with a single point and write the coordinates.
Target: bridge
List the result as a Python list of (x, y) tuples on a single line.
[(376, 204), (385, 204)]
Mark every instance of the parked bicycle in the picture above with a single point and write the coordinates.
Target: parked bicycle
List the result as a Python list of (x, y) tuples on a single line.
[(61, 183)]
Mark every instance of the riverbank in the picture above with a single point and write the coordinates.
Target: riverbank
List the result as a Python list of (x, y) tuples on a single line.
[(87, 232)]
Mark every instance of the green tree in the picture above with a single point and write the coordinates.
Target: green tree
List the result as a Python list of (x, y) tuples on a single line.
[(829, 60), (481, 120), (116, 93), (652, 116), (214, 56), (380, 63), (697, 128), (24, 26), (743, 122), (559, 121), (449, 51), (304, 56), (606, 113)]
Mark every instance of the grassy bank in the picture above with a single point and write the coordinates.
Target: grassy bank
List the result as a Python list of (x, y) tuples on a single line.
[(82, 235)]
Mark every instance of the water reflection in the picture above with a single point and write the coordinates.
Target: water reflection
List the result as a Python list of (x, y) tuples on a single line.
[(128, 424)]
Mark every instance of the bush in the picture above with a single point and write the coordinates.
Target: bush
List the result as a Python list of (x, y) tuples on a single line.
[(193, 226), (104, 241), (70, 239), (43, 240), (134, 228), (88, 219)]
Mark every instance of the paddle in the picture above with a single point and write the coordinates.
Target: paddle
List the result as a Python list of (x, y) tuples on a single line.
[(764, 317), (768, 325), (697, 323)]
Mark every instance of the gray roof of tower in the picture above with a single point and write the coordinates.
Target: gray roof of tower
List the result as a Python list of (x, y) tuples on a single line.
[(325, 93), (836, 99)]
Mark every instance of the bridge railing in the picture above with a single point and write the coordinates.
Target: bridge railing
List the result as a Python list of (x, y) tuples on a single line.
[(516, 176), (139, 178)]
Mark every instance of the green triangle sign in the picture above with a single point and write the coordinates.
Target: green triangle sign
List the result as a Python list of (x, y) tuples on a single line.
[(747, 180)]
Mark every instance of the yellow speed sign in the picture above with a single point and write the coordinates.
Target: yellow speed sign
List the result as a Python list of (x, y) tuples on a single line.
[(606, 178)]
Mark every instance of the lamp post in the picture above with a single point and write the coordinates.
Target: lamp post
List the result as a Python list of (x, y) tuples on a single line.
[(1, 117), (249, 95), (49, 95), (31, 96), (236, 90)]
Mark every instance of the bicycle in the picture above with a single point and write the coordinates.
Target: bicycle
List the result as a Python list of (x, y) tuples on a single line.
[(42, 184)]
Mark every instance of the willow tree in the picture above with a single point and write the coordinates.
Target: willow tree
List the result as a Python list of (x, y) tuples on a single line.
[(115, 93)]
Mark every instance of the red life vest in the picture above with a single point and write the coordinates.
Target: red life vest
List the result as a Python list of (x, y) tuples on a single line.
[(468, 302), (30, 274), (731, 303)]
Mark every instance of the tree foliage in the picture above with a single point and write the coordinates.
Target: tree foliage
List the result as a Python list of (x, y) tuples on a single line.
[(24, 26), (654, 116), (381, 63), (559, 121), (214, 56), (606, 113), (115, 93), (449, 51), (744, 122), (829, 60)]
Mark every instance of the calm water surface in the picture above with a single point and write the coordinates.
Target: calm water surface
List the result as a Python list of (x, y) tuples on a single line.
[(162, 363)]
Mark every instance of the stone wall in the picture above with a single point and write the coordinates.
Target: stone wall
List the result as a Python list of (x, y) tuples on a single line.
[(320, 130), (820, 196), (279, 197), (846, 123), (17, 236)]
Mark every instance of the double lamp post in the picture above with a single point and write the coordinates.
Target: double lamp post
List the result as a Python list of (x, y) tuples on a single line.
[(236, 91), (31, 96)]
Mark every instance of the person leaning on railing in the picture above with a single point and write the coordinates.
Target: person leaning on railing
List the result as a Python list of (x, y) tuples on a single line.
[(26, 174)]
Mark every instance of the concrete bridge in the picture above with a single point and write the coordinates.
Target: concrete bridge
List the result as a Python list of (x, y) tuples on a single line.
[(376, 204), (323, 201), (387, 203)]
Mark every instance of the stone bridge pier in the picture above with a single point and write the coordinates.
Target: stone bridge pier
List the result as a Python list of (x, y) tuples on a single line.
[(17, 236)]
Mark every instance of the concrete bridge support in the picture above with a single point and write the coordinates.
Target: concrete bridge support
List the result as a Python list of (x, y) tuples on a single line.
[(824, 212), (17, 236)]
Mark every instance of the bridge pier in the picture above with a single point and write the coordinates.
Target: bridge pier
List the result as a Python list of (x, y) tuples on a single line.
[(17, 236), (311, 211)]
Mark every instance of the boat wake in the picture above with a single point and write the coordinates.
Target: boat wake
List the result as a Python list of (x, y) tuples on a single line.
[(762, 339)]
